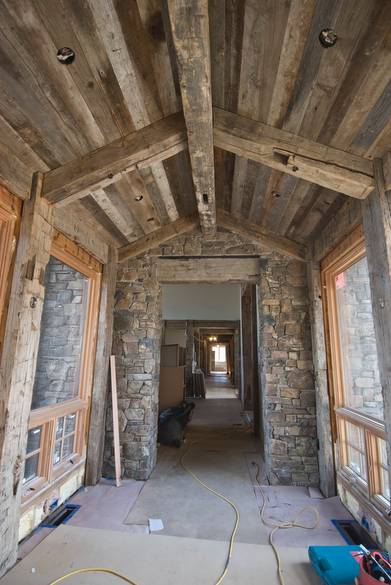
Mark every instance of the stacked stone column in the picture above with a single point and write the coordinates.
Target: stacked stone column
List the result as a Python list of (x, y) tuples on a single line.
[(136, 344)]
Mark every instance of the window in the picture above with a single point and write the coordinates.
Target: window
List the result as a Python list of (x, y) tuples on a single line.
[(31, 470), (63, 376), (362, 389), (353, 372), (355, 450), (60, 344), (64, 445), (10, 210), (220, 354)]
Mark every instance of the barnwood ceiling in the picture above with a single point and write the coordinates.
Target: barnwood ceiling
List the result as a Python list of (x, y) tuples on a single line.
[(139, 62)]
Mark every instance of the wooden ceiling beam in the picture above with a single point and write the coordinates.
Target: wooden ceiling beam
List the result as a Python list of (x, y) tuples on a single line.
[(189, 23), (305, 159), (181, 226), (105, 165), (253, 233)]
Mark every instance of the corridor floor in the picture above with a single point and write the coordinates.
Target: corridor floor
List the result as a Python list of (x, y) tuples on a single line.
[(111, 527), (220, 450), (219, 386)]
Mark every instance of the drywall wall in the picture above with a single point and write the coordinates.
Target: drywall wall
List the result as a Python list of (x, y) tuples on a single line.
[(201, 301), (175, 336)]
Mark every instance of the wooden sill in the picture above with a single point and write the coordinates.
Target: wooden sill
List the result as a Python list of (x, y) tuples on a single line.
[(41, 485)]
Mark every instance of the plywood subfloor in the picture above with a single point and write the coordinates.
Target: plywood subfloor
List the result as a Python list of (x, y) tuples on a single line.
[(218, 456), (183, 561)]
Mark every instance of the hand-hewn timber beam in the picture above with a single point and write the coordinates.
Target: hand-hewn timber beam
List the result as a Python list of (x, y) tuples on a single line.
[(182, 225), (292, 154), (105, 165), (252, 232), (377, 230), (190, 32)]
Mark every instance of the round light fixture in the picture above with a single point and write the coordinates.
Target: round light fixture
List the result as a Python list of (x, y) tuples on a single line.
[(327, 37), (66, 55)]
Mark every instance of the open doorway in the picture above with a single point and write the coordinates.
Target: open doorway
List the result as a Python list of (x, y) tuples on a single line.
[(219, 359), (201, 347)]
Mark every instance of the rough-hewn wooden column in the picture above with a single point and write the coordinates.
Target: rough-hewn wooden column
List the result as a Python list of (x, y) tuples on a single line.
[(96, 435), (377, 228), (18, 362), (325, 441), (189, 353)]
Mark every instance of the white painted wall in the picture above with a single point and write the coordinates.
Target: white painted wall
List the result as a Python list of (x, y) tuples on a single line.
[(201, 301), (175, 337)]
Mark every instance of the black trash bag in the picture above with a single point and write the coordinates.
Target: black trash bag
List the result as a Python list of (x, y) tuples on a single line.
[(172, 422)]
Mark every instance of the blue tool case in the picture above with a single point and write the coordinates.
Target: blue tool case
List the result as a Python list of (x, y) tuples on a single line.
[(335, 565)]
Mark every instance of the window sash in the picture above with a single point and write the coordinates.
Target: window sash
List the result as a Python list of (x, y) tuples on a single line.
[(345, 255), (66, 251)]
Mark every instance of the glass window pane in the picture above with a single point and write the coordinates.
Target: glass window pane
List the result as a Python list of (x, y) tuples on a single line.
[(31, 468), (385, 483), (384, 474), (362, 389), (59, 427), (60, 345), (355, 447), (70, 423), (356, 462), (34, 439), (57, 452), (68, 446)]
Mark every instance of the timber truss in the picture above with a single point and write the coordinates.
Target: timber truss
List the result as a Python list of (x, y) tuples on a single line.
[(199, 128)]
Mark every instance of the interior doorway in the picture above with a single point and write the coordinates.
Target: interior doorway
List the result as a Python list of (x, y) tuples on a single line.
[(219, 364), (201, 350)]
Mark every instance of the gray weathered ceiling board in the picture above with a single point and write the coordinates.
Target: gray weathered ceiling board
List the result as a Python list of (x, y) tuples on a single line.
[(266, 64)]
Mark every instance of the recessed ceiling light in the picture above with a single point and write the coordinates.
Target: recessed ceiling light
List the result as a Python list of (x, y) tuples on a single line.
[(327, 37), (138, 198), (65, 55)]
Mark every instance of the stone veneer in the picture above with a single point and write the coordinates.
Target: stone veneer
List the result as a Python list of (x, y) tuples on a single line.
[(285, 357), (137, 341), (285, 352)]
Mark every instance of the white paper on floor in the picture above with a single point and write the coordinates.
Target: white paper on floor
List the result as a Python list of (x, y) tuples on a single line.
[(155, 524)]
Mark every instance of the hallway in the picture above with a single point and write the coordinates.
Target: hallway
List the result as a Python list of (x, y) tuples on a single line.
[(219, 386), (192, 546)]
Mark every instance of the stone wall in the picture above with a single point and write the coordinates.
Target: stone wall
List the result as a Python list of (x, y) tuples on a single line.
[(289, 417), (60, 344), (136, 343), (285, 351)]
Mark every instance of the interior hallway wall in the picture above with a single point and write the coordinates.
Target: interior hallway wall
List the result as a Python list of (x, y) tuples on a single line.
[(285, 358), (136, 344), (284, 350), (201, 302)]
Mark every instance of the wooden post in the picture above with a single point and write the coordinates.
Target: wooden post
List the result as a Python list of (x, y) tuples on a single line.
[(18, 361), (325, 441), (189, 354), (96, 436), (377, 229), (114, 404)]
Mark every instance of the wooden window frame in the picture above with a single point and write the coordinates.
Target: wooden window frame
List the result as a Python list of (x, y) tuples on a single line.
[(10, 214), (67, 251), (348, 252)]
